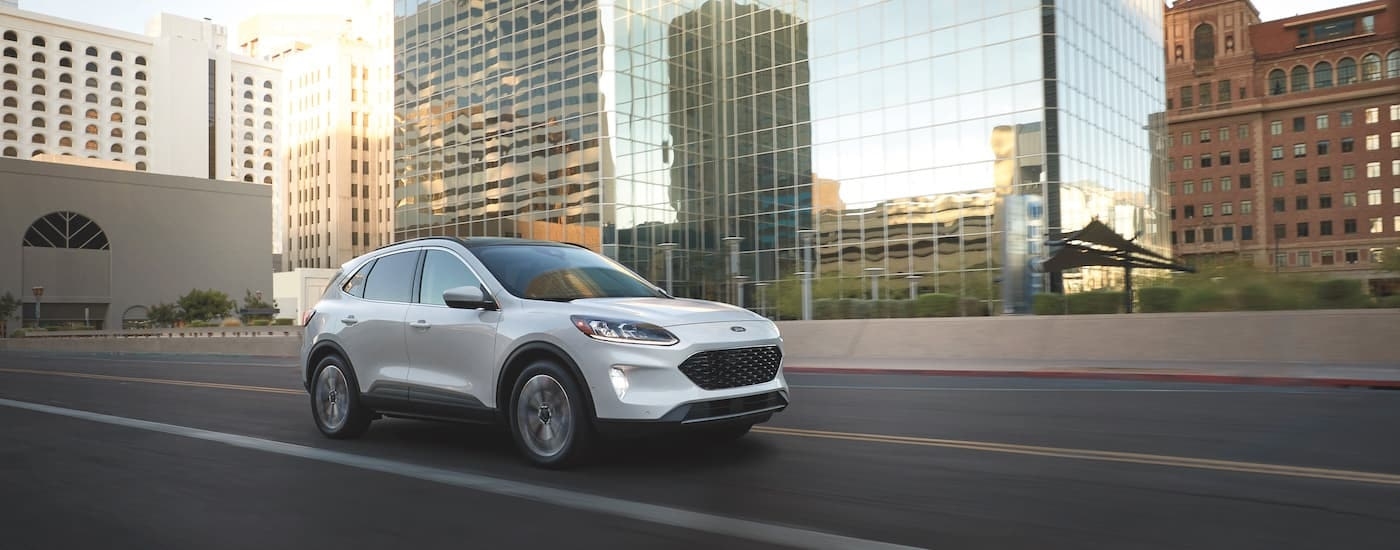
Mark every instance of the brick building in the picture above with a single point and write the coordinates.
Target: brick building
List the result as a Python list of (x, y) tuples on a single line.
[(1284, 136)]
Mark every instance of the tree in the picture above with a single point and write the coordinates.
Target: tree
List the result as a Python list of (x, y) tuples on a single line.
[(253, 301), (202, 305), (8, 305), (163, 314)]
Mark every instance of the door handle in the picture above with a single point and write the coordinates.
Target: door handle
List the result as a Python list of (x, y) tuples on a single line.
[(349, 320), (421, 324)]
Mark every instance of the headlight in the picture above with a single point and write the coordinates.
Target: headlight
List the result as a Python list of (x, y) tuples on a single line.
[(628, 332)]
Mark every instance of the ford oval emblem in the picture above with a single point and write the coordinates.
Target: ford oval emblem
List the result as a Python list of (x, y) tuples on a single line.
[(738, 329)]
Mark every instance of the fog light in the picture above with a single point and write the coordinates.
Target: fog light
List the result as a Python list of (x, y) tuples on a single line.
[(619, 381)]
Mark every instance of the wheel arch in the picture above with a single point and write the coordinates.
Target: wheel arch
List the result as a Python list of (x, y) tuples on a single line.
[(319, 351), (528, 353)]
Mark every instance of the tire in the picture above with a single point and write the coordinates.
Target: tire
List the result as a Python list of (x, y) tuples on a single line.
[(335, 400), (549, 419)]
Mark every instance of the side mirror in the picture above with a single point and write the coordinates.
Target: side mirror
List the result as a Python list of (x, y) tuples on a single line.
[(467, 297)]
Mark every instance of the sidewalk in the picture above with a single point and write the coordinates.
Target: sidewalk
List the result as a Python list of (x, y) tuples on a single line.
[(1216, 372)]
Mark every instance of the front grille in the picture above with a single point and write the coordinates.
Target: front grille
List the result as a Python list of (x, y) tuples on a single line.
[(733, 368), (735, 406)]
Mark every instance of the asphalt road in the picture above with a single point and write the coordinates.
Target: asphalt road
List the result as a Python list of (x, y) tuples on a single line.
[(220, 452)]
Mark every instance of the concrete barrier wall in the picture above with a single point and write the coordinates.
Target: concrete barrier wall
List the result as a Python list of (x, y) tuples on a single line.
[(1332, 336), (1337, 337)]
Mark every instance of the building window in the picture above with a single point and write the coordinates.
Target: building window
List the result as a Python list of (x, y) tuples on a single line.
[(1373, 170), (1349, 226), (1395, 195), (1348, 145), (1352, 256), (1300, 150), (1207, 210), (1348, 172), (1227, 209), (1395, 140), (1190, 212), (1373, 115), (1373, 197), (1225, 183), (1244, 156), (1207, 185), (1275, 127), (1300, 202), (1395, 109), (1243, 131), (1276, 152), (1377, 255), (1187, 95), (1208, 234), (1246, 233), (1205, 136), (1246, 207), (1323, 147), (1329, 257), (1348, 199), (1373, 142), (1187, 163), (1276, 179), (1227, 233), (1190, 235), (1277, 78), (1324, 228), (1280, 230), (1280, 204), (1322, 122), (1322, 75), (1246, 181), (1299, 124), (1371, 67), (1304, 259), (1224, 158), (1188, 187), (1345, 118), (1377, 225), (1224, 133), (1395, 224), (1324, 201), (1300, 176), (1206, 161)]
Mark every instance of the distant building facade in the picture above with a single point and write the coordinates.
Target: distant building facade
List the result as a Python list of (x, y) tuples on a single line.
[(106, 244), (1284, 136)]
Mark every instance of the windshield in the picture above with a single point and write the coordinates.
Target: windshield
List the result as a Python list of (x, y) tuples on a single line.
[(561, 273)]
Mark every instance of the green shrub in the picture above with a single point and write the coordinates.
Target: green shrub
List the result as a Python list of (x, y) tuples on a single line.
[(1096, 302), (18, 333), (1389, 301), (825, 308), (972, 307), (1204, 299), (1256, 297), (1159, 299), (894, 309), (936, 305), (259, 323), (283, 322), (1048, 304), (1339, 293)]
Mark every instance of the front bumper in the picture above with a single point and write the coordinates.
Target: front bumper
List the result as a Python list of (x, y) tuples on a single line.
[(659, 392), (701, 415)]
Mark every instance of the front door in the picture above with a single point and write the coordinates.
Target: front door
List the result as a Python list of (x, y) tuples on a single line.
[(451, 350)]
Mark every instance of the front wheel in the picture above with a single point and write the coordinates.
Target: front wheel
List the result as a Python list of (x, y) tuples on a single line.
[(549, 421), (335, 401)]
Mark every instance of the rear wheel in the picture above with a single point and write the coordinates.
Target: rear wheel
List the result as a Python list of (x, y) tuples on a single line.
[(335, 400), (549, 420)]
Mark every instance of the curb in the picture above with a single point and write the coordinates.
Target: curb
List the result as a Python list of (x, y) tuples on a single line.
[(1134, 376)]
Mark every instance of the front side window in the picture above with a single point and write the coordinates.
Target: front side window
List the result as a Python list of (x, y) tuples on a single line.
[(561, 273), (443, 271)]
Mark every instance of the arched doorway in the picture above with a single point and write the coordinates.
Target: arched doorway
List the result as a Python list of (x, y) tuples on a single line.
[(136, 317), (69, 257)]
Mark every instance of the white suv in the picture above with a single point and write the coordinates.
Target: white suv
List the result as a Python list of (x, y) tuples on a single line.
[(559, 344)]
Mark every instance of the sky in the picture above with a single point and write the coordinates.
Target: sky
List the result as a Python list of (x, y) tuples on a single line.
[(131, 15)]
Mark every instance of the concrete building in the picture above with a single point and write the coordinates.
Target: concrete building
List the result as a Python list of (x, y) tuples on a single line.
[(105, 244), (1284, 136), (695, 130), (174, 101), (336, 131), (297, 291)]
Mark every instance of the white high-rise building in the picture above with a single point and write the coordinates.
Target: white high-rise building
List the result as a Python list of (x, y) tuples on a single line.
[(174, 101), (336, 132)]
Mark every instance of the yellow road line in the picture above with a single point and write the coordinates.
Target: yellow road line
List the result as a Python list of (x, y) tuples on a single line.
[(1005, 448), (1109, 456), (165, 381)]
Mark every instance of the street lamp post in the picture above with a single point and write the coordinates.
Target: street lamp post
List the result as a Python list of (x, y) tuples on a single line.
[(670, 249), (38, 304), (739, 289), (807, 236), (732, 242), (913, 286), (874, 281), (762, 297)]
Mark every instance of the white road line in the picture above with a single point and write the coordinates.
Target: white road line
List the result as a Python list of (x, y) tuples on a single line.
[(662, 515), (1133, 390)]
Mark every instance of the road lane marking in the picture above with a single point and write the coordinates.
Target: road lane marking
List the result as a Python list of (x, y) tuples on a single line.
[(1004, 448), (1085, 454), (165, 381), (1107, 390), (662, 515)]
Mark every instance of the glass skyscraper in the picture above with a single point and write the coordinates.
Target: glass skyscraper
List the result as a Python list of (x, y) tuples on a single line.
[(898, 147)]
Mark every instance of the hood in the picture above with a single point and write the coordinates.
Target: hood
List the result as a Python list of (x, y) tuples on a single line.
[(665, 312)]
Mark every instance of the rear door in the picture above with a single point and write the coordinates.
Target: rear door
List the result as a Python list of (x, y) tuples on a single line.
[(452, 350), (373, 324)]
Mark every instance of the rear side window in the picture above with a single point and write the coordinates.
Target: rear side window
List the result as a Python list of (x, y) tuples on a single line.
[(391, 278)]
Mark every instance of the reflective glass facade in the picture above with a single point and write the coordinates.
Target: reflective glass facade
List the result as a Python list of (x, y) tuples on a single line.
[(753, 142)]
